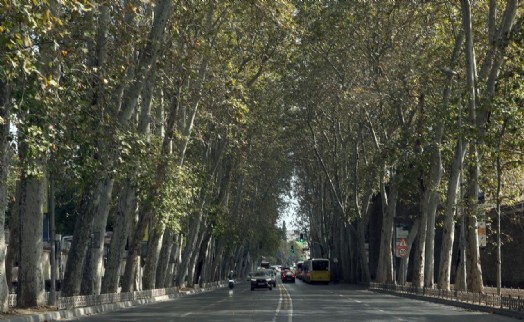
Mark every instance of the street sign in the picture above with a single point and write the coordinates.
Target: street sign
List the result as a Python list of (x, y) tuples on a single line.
[(402, 248)]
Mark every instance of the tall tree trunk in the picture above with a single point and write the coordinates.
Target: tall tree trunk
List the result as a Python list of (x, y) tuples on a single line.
[(79, 246), (208, 261), (164, 260), (420, 250), (474, 271), (153, 253), (362, 224), (147, 211), (30, 290), (190, 247), (148, 56), (93, 269), (199, 258), (5, 156), (385, 261), (176, 260), (451, 196), (448, 232), (433, 200), (124, 216), (404, 261)]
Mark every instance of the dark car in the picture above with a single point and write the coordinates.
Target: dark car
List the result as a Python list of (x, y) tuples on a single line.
[(261, 279), (287, 275)]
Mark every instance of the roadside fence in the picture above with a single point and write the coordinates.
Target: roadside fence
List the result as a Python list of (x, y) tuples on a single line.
[(109, 298), (504, 302)]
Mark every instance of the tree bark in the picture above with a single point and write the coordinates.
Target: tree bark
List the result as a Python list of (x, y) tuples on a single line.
[(448, 232), (30, 290), (153, 253), (5, 156), (190, 247), (474, 271), (420, 250), (404, 261), (385, 261), (124, 216), (164, 260), (79, 246), (93, 269), (147, 58)]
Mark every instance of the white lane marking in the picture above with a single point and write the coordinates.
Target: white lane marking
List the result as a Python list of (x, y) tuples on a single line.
[(290, 313), (284, 293), (279, 306)]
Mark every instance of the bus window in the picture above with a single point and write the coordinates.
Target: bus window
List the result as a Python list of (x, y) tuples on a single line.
[(320, 265)]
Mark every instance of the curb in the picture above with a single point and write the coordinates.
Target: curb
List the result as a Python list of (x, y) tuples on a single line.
[(467, 306), (91, 310)]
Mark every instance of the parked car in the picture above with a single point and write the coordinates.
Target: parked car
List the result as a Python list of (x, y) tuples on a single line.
[(287, 275), (261, 279)]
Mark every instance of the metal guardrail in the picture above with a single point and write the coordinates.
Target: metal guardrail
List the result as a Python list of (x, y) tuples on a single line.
[(507, 302), (93, 300)]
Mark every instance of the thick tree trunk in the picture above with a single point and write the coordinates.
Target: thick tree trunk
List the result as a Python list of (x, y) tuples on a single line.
[(404, 261), (363, 254), (5, 156), (79, 246), (124, 216), (474, 272), (153, 253), (216, 262), (433, 200), (208, 261), (448, 233), (199, 263), (93, 269), (93, 266), (420, 250), (30, 291), (190, 247), (165, 257), (385, 261), (175, 261), (451, 196), (473, 268), (134, 252)]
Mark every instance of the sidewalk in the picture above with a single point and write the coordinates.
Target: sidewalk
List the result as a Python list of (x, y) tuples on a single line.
[(46, 314), (518, 314)]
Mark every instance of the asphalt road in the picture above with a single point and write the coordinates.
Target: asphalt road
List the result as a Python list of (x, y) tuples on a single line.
[(297, 302)]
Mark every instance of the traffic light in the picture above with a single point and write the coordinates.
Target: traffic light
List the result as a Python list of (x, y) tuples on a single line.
[(292, 249), (301, 238)]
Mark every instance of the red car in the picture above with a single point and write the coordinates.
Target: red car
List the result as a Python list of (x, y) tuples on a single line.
[(287, 275)]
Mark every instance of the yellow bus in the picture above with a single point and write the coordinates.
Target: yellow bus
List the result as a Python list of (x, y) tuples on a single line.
[(316, 270)]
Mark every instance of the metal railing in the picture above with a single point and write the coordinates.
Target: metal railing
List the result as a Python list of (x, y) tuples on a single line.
[(93, 300), (507, 302)]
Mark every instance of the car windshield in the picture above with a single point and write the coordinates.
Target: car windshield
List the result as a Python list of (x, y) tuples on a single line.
[(260, 273)]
